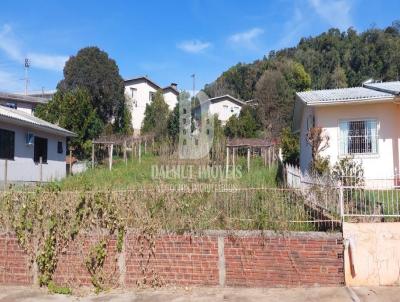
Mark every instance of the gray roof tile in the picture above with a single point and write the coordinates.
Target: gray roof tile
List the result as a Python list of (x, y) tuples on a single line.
[(34, 122), (342, 95), (389, 87)]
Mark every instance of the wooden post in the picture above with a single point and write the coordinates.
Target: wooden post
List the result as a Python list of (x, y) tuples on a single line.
[(140, 152), (111, 147), (248, 159), (227, 162), (135, 148), (5, 173), (152, 145), (125, 157), (132, 146), (92, 155), (269, 157), (70, 160), (41, 168), (145, 146)]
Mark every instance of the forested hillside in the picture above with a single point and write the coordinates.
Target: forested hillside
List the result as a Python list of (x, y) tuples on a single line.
[(333, 59)]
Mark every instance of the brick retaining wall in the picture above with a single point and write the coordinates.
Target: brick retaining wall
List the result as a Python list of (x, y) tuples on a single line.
[(251, 259)]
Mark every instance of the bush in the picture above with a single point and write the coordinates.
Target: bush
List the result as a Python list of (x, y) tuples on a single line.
[(349, 172), (290, 147)]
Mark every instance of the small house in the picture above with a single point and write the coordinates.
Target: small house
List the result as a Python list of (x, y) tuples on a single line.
[(361, 122), (31, 149)]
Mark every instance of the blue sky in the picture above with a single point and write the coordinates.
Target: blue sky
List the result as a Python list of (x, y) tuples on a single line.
[(166, 40)]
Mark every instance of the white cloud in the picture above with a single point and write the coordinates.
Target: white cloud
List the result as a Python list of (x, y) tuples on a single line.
[(9, 81), (292, 29), (193, 46), (335, 12), (247, 38), (13, 49)]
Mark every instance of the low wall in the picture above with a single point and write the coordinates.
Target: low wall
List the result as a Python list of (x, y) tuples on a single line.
[(375, 253), (251, 259)]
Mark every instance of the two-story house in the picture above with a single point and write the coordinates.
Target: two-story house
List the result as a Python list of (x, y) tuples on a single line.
[(140, 91), (21, 102)]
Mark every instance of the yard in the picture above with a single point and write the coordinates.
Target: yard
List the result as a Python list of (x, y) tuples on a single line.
[(133, 174)]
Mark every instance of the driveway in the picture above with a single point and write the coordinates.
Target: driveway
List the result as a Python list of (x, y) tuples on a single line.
[(337, 294)]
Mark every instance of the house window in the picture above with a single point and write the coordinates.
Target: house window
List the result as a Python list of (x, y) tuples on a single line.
[(133, 93), (11, 105), (151, 96), (40, 149), (358, 137), (7, 139), (60, 147)]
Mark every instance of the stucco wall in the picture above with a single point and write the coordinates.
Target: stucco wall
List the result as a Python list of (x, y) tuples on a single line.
[(381, 166), (375, 249), (171, 99), (305, 154), (22, 106), (142, 97), (23, 168), (224, 113)]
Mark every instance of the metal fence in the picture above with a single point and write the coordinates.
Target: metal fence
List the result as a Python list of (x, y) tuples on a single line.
[(349, 198)]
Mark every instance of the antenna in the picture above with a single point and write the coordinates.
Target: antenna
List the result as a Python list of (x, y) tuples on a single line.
[(27, 65)]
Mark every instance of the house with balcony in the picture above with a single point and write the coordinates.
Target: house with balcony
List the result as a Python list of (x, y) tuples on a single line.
[(361, 122)]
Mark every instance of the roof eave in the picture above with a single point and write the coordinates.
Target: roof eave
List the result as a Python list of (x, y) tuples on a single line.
[(18, 122), (348, 102)]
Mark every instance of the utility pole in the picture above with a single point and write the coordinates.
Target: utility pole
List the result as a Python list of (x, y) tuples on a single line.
[(194, 84), (27, 65)]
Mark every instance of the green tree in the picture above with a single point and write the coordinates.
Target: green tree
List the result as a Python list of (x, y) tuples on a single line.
[(73, 110), (173, 124), (156, 117), (93, 70), (243, 126), (290, 147)]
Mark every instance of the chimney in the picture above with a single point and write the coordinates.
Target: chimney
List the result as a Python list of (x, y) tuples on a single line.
[(174, 85)]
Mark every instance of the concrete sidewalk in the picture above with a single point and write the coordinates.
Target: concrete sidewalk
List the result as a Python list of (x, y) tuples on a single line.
[(338, 294)]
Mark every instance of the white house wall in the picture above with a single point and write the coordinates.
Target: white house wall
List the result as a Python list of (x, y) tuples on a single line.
[(141, 98), (380, 166), (171, 99), (305, 154), (22, 106), (23, 168), (224, 110)]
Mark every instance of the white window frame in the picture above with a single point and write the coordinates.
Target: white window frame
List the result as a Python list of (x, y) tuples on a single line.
[(359, 154)]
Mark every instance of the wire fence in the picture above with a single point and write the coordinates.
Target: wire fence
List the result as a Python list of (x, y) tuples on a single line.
[(349, 197), (178, 208)]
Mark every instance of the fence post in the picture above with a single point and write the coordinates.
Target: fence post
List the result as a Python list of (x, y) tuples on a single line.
[(5, 173), (110, 157), (227, 162), (92, 155), (140, 151), (248, 160), (41, 168), (341, 200)]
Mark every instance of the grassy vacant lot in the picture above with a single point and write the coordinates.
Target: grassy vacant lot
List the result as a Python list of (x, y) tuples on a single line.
[(133, 174)]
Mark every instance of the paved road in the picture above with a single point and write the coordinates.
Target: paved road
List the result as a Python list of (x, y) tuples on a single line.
[(389, 294)]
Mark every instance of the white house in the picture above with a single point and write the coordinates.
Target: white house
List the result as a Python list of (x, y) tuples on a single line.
[(362, 122), (224, 107), (21, 102), (140, 91), (31, 149)]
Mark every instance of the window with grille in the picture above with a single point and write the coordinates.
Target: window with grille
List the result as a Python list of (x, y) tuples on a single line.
[(358, 137)]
